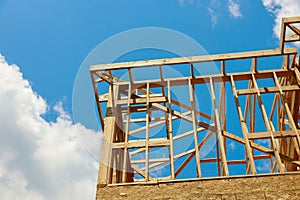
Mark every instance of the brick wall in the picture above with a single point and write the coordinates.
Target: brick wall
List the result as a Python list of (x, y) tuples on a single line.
[(283, 186)]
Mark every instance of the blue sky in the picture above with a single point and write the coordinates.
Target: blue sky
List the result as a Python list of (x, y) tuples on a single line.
[(49, 40)]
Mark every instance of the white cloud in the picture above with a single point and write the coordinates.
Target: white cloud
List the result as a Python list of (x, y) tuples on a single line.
[(183, 2), (234, 9), (231, 145), (281, 8), (263, 166), (213, 9), (40, 159), (213, 17), (214, 2)]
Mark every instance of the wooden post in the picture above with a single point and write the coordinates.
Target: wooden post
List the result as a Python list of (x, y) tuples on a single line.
[(194, 118), (219, 130), (243, 126), (147, 132), (170, 132)]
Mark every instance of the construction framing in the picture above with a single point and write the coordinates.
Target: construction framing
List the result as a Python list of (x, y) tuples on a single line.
[(251, 115)]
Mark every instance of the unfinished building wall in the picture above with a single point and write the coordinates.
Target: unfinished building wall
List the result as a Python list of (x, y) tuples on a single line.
[(240, 119), (285, 186)]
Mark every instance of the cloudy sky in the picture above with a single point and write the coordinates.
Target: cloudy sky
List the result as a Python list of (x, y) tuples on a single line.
[(43, 45)]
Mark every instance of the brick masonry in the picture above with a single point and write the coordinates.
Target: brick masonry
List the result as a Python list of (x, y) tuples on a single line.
[(279, 186)]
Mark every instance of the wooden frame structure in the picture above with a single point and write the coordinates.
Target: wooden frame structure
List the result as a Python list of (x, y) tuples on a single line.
[(264, 125)]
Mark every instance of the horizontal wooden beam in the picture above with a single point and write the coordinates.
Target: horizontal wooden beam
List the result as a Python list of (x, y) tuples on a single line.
[(238, 76), (204, 160), (142, 100), (291, 19), (277, 134), (152, 119), (269, 90), (192, 59), (157, 142), (233, 162), (150, 160)]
